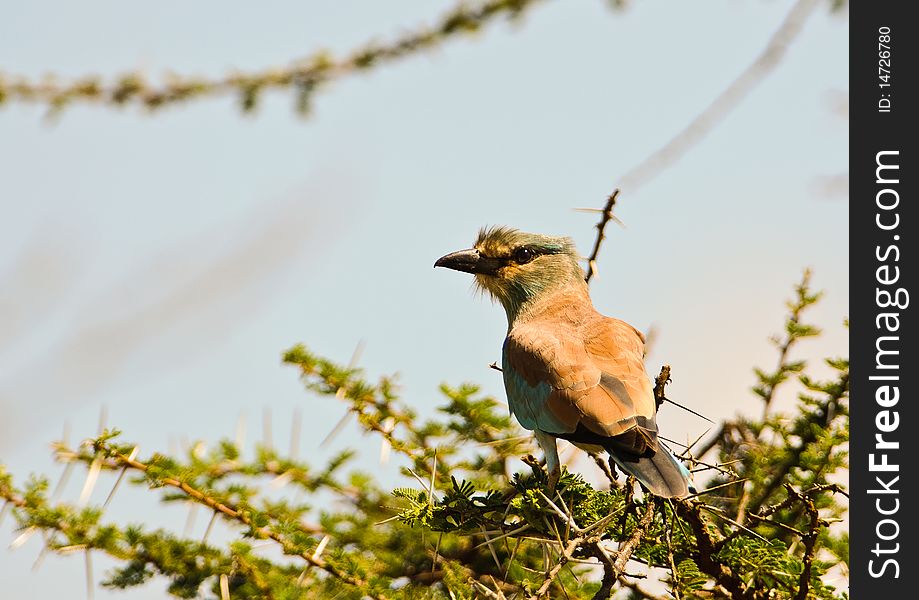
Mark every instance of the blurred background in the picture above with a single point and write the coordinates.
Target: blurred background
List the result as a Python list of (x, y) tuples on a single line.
[(153, 267)]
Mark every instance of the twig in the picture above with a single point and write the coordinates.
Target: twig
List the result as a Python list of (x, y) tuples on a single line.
[(606, 217), (490, 543), (295, 424), (554, 571), (568, 520), (673, 570), (687, 409), (4, 509), (210, 525), (305, 76), (509, 534), (243, 517), (687, 453), (660, 382), (659, 397), (436, 552), (121, 475), (605, 467), (510, 561), (190, 519), (724, 103), (91, 477), (720, 514), (340, 394), (712, 489), (809, 539), (614, 568), (720, 467), (642, 592), (706, 550), (627, 548)]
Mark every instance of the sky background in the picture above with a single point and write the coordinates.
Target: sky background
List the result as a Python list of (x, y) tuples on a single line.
[(158, 265)]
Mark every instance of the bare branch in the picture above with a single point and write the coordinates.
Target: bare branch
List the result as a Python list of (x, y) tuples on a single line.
[(606, 217), (613, 570), (767, 60)]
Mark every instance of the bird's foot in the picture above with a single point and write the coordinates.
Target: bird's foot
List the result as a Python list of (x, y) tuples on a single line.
[(554, 475)]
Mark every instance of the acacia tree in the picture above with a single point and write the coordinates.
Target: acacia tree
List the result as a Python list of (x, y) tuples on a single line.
[(469, 524)]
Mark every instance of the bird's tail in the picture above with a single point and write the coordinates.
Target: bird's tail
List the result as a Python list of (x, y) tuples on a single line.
[(661, 473)]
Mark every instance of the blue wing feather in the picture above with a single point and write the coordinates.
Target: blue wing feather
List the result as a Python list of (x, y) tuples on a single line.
[(528, 403)]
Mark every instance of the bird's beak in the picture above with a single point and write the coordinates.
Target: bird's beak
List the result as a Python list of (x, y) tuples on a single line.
[(469, 261)]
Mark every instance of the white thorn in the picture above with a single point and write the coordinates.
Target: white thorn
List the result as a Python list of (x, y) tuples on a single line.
[(224, 587), (23, 537), (91, 479)]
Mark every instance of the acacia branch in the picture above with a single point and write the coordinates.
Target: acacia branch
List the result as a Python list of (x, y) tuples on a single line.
[(78, 538), (809, 539), (640, 591), (243, 517), (565, 556), (660, 383), (613, 568), (304, 75), (713, 114), (605, 217), (706, 549)]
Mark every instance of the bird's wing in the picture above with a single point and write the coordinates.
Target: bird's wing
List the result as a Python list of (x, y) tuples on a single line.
[(542, 369), (558, 379), (617, 349)]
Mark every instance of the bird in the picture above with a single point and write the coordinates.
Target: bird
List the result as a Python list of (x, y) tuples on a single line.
[(569, 371)]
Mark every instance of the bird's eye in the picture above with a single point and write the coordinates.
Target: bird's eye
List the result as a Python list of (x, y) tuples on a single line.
[(523, 255)]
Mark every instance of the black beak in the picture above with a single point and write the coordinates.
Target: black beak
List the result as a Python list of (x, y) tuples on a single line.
[(469, 261)]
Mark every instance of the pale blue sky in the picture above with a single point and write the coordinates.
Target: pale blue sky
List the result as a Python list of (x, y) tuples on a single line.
[(117, 226)]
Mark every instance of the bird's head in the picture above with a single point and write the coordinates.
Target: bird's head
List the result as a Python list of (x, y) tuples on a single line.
[(516, 267)]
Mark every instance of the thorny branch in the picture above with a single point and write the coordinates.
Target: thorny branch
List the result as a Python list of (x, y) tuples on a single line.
[(605, 217), (305, 76), (713, 114), (707, 549), (613, 570), (242, 517), (660, 382), (139, 551)]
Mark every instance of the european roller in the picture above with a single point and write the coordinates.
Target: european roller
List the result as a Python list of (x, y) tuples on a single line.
[(569, 371)]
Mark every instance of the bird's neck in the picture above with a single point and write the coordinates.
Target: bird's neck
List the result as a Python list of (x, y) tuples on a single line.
[(565, 298)]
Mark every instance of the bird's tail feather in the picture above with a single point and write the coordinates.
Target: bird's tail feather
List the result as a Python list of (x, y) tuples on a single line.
[(661, 473)]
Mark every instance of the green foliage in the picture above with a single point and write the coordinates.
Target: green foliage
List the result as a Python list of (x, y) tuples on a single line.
[(468, 523), (688, 577)]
